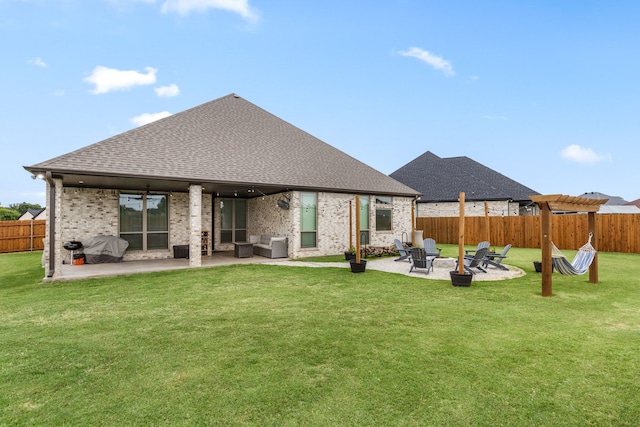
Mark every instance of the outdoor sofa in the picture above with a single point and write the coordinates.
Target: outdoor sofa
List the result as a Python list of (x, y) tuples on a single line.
[(270, 246)]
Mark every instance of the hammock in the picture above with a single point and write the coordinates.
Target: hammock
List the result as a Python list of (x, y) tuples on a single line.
[(580, 263)]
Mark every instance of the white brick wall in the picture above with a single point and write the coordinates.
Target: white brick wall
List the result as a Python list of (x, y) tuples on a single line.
[(87, 212), (446, 209)]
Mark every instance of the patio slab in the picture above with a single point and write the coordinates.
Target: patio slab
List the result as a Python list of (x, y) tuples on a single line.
[(75, 272)]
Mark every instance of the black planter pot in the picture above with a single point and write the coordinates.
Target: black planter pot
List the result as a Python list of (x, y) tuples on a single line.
[(358, 267), (463, 279), (349, 256), (538, 266)]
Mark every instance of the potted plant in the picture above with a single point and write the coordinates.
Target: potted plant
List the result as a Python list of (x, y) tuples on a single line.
[(350, 254)]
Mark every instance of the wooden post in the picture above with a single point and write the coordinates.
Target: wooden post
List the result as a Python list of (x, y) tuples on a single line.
[(357, 229), (461, 236), (486, 222), (413, 217), (593, 268), (350, 225), (546, 249)]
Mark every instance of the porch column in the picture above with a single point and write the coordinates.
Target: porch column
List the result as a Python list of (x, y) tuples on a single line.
[(195, 225), (53, 247)]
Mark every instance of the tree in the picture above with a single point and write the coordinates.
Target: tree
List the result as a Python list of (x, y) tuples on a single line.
[(21, 208), (7, 214)]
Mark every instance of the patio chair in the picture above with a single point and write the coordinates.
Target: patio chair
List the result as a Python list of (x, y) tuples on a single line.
[(496, 259), (483, 244), (420, 259), (404, 253), (430, 247), (475, 261)]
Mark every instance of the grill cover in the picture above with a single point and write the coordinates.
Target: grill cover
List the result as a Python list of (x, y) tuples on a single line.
[(104, 249)]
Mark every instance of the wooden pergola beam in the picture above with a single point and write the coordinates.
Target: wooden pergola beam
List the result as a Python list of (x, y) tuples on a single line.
[(559, 202)]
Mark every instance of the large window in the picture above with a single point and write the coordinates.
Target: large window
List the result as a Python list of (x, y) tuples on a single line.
[(383, 213), (364, 220), (144, 221), (233, 226), (308, 220)]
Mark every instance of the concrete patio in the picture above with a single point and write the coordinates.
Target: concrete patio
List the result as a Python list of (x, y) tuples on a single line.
[(75, 272)]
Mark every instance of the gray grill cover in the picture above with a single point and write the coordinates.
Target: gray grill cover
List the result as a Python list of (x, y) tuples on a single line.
[(103, 249)]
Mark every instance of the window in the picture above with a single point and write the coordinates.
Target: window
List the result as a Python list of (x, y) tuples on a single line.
[(364, 220), (233, 224), (383, 213), (308, 220), (144, 221)]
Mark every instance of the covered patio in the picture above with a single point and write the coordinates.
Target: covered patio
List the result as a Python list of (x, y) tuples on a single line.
[(87, 271)]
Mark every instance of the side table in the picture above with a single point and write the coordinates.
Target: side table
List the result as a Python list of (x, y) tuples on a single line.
[(242, 249)]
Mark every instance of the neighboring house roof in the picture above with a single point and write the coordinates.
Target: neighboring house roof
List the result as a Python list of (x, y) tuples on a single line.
[(635, 203), (31, 214), (226, 145), (442, 179), (613, 200)]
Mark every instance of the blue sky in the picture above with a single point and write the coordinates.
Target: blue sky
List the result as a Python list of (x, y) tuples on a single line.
[(544, 92)]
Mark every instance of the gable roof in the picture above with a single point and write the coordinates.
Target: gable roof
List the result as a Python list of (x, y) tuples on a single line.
[(635, 202), (442, 179), (613, 200), (227, 145)]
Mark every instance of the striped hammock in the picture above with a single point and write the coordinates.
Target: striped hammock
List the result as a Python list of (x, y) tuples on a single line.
[(579, 265)]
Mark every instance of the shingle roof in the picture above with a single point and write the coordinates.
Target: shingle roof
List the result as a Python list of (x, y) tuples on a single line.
[(442, 179), (613, 200), (226, 141)]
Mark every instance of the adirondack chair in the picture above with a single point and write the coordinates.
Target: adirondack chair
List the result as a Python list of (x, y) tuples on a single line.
[(420, 259), (404, 253), (483, 244), (474, 261), (496, 259), (430, 247)]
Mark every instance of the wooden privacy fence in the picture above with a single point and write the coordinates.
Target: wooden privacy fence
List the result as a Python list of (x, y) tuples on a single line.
[(21, 236), (615, 232)]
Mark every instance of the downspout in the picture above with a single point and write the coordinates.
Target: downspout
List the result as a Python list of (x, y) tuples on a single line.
[(52, 223)]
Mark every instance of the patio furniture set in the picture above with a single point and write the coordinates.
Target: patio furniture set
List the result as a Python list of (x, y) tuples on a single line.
[(425, 257)]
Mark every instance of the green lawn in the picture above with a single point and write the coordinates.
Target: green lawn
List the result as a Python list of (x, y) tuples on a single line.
[(264, 345)]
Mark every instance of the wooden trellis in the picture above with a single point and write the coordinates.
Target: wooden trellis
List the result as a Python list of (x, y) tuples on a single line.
[(559, 202)]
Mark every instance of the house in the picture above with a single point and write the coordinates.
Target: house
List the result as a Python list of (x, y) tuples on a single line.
[(227, 168), (615, 204), (33, 214), (440, 180)]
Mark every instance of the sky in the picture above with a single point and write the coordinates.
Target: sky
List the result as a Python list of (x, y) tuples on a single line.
[(544, 92)]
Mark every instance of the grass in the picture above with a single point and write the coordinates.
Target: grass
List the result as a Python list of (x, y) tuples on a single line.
[(264, 345)]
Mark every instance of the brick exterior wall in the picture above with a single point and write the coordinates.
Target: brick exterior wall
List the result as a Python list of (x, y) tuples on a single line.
[(86, 212), (447, 209)]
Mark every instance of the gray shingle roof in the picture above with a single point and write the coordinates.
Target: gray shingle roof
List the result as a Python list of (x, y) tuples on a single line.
[(226, 141), (442, 179)]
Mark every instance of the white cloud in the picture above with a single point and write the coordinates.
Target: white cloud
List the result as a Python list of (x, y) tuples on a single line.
[(59, 92), (38, 62), (167, 91), (434, 61), (145, 118), (184, 7), (580, 154), (108, 79)]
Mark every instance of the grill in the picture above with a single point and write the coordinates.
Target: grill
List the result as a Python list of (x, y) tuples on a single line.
[(72, 245)]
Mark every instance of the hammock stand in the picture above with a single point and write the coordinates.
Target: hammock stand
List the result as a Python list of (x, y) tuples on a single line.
[(560, 202), (581, 262)]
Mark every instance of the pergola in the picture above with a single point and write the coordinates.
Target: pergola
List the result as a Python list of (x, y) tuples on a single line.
[(560, 202)]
